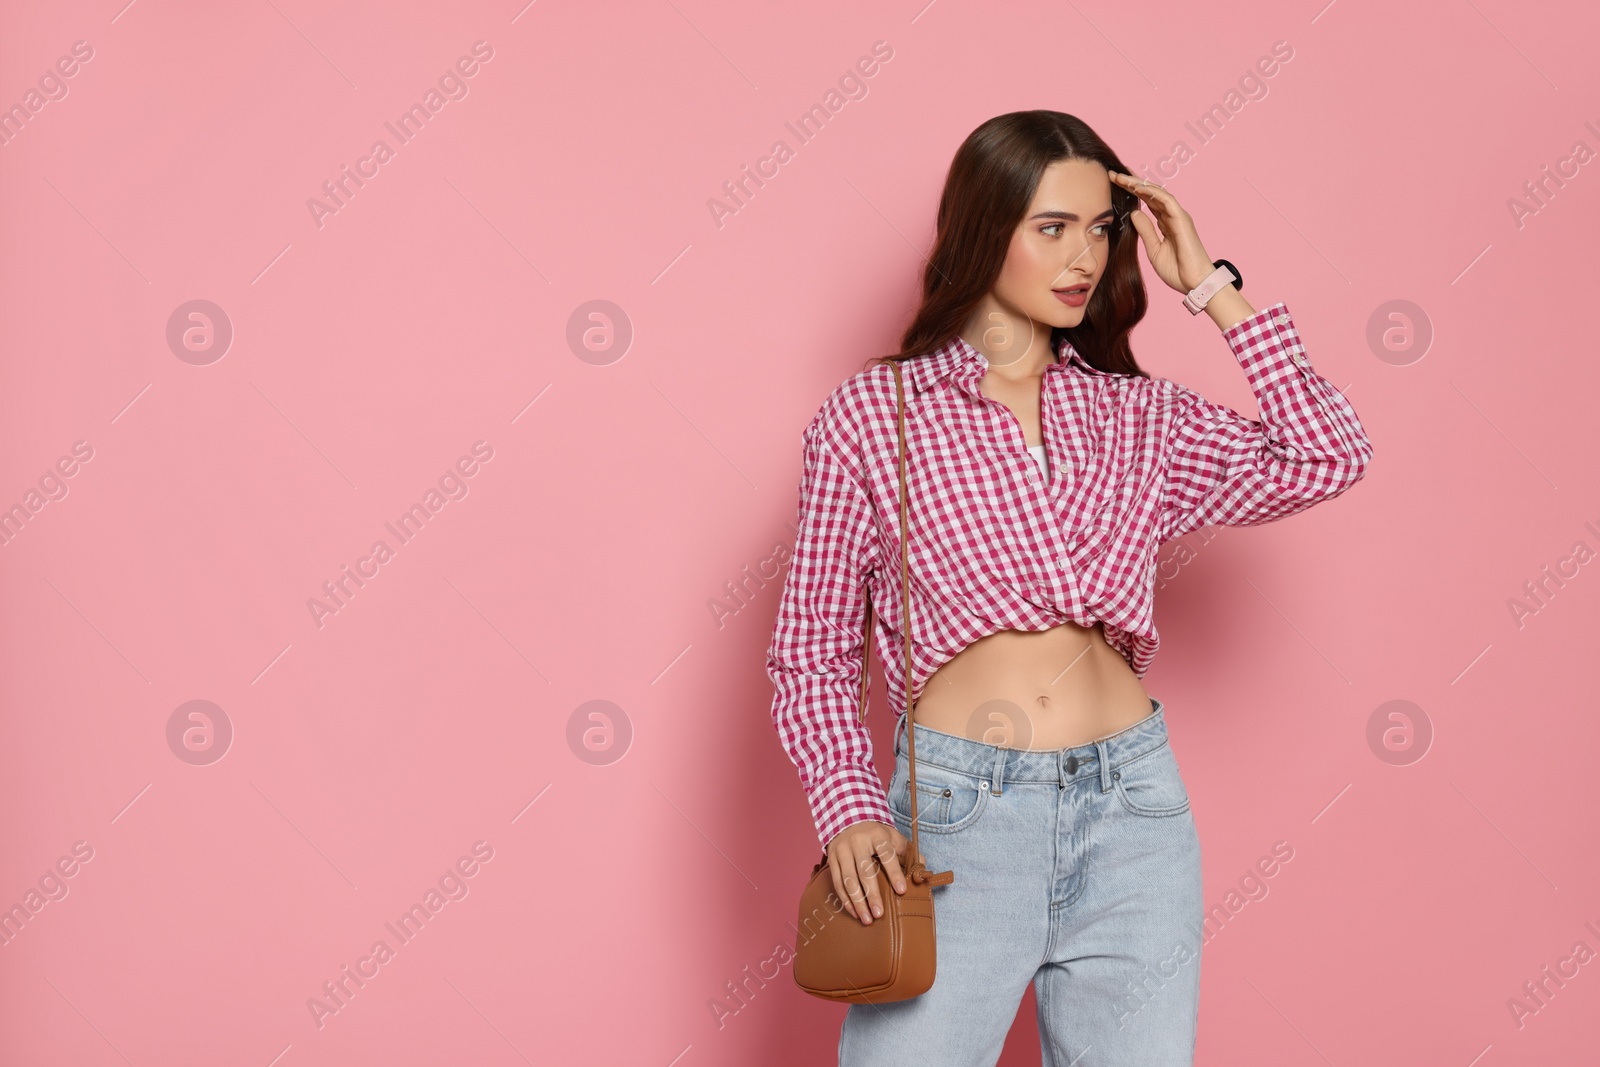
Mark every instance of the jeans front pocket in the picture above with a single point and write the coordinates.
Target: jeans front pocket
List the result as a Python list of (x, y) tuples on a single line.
[(947, 800), (1151, 784)]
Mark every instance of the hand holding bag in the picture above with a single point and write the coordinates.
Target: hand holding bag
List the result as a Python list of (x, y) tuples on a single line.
[(838, 958)]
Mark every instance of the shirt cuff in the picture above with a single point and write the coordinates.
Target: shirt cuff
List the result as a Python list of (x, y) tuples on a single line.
[(1268, 347), (848, 795)]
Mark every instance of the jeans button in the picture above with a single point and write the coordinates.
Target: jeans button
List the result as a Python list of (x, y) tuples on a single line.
[(1072, 764)]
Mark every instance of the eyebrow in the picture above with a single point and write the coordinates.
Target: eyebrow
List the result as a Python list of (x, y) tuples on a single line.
[(1067, 216)]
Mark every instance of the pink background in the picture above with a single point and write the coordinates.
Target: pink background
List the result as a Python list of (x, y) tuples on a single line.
[(590, 557)]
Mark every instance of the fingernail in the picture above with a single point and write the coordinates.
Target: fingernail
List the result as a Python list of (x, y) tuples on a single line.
[(877, 911)]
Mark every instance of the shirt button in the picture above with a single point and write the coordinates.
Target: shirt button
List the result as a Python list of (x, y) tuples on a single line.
[(1300, 359), (1282, 320)]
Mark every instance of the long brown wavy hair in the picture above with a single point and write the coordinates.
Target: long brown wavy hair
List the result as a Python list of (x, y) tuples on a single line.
[(991, 182)]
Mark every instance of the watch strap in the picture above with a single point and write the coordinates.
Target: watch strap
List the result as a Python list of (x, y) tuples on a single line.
[(1197, 298)]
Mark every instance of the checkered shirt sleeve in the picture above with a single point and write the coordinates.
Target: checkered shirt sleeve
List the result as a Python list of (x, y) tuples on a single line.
[(1307, 446), (814, 659)]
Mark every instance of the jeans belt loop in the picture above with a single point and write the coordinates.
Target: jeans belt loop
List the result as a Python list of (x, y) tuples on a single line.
[(999, 770), (1104, 752)]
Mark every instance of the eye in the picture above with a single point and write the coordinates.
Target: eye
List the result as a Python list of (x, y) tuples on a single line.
[(1104, 229)]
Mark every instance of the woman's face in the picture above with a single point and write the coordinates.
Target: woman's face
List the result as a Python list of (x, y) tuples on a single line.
[(1061, 244)]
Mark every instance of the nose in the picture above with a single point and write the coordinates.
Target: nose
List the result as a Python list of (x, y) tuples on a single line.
[(1083, 265), (1087, 250)]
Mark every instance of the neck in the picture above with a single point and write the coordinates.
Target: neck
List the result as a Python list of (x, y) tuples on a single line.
[(1016, 347), (1019, 367)]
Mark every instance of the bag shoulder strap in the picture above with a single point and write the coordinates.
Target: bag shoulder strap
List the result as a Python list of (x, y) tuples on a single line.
[(915, 868)]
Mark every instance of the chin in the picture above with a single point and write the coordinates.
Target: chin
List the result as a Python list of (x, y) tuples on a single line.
[(1060, 315)]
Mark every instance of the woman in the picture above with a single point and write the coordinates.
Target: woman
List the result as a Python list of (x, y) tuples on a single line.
[(1044, 470)]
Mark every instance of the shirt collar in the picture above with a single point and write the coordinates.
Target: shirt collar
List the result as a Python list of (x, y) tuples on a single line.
[(958, 361)]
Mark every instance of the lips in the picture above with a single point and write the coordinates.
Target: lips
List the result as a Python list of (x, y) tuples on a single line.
[(1073, 290)]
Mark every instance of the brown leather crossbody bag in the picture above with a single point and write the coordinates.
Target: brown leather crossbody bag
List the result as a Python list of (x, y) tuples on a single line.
[(836, 957)]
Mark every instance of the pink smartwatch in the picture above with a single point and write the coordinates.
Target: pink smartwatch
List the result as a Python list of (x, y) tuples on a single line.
[(1197, 298)]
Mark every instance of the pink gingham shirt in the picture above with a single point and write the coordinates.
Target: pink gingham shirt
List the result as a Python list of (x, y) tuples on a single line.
[(1135, 462)]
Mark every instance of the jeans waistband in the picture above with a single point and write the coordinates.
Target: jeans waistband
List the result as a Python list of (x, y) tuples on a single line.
[(1063, 766)]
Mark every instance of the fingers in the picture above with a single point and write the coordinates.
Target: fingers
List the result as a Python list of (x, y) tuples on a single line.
[(1148, 191), (891, 863), (853, 860), (854, 878), (1145, 228), (838, 883), (867, 868), (1170, 217), (845, 883), (1128, 181), (1151, 231)]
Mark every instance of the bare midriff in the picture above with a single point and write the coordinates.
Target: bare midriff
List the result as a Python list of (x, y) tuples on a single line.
[(1043, 689)]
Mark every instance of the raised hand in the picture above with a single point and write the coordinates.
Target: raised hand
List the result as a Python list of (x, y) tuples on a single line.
[(1171, 243)]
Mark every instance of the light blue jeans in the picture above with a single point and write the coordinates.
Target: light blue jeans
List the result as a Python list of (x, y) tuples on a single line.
[(1077, 869)]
